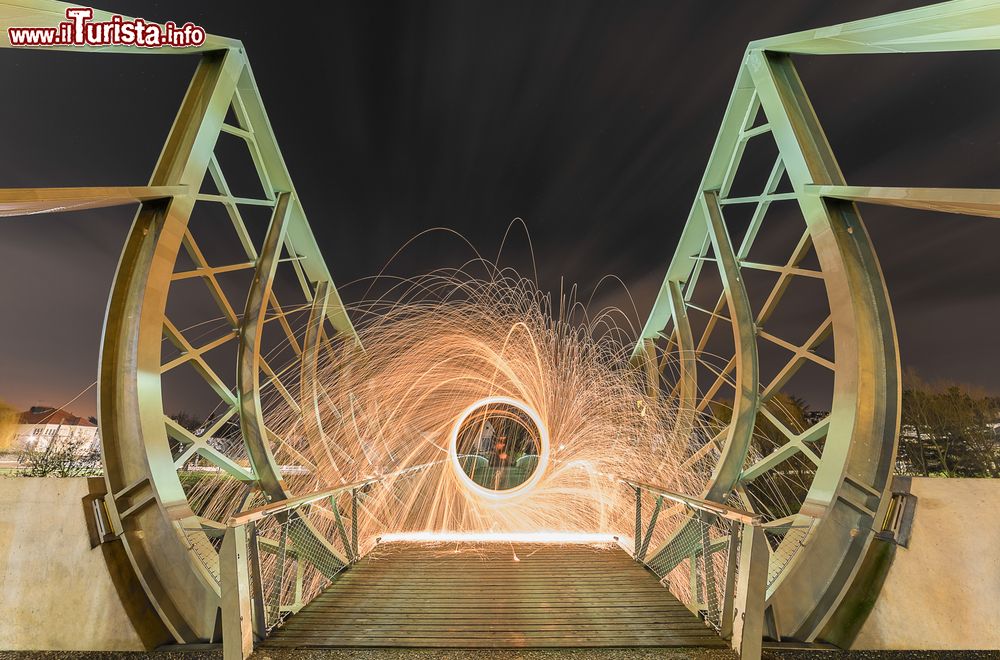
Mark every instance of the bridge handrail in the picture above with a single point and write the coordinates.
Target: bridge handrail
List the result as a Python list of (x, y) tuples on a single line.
[(292, 503), (252, 596), (726, 571), (723, 574), (707, 506)]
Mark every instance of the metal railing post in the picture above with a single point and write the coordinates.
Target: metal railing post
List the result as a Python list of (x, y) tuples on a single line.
[(347, 543), (708, 569), (649, 529), (354, 522), (751, 592), (256, 584), (729, 595), (638, 523), (251, 601), (740, 615), (237, 630)]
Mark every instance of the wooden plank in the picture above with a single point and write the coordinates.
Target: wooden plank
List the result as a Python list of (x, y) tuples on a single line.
[(472, 590), (441, 619), (513, 579), (476, 636), (506, 610), (652, 608), (555, 572), (501, 643), (675, 623), (439, 630), (550, 601), (498, 642), (662, 630)]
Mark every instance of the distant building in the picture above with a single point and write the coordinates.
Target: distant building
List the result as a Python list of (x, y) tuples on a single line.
[(39, 427)]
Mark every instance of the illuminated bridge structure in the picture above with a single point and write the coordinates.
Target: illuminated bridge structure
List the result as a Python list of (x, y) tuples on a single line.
[(738, 569)]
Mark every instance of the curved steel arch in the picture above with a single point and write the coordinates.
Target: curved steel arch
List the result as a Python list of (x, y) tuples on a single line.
[(169, 547), (847, 492), (167, 542)]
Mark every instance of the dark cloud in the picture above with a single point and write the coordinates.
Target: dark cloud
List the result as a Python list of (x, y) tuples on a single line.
[(592, 121)]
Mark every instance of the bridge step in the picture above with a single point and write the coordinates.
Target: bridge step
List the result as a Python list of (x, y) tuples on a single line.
[(494, 596)]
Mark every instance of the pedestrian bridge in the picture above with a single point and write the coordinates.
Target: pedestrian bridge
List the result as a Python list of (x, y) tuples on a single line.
[(291, 519), (291, 588)]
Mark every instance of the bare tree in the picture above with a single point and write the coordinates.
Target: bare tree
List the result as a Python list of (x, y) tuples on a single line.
[(948, 430), (61, 458)]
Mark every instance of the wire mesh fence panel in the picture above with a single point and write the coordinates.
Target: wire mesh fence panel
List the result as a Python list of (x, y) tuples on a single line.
[(694, 565), (297, 561), (688, 549), (296, 548), (786, 543), (205, 549)]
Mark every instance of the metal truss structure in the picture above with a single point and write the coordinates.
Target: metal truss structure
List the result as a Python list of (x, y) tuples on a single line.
[(844, 461), (173, 548)]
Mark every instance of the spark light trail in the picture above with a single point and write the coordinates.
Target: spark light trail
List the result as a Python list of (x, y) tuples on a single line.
[(440, 346)]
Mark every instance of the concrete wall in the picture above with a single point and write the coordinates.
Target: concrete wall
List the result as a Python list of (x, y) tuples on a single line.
[(56, 593), (943, 591)]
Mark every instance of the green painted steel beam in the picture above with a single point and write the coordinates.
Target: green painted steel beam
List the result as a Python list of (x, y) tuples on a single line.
[(135, 450), (31, 201), (687, 386), (864, 420), (299, 239), (312, 341), (148, 505), (961, 25), (746, 398), (694, 237), (981, 202), (739, 432), (249, 357)]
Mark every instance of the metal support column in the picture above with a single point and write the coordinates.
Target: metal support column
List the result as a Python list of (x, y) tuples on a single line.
[(729, 595), (751, 589), (237, 628)]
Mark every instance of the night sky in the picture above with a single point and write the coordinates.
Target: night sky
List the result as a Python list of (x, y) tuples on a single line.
[(591, 121)]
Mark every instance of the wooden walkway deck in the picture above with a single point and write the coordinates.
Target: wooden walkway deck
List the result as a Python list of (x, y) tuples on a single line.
[(408, 595)]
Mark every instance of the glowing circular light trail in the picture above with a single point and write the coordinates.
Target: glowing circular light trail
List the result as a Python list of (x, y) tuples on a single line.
[(543, 449)]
